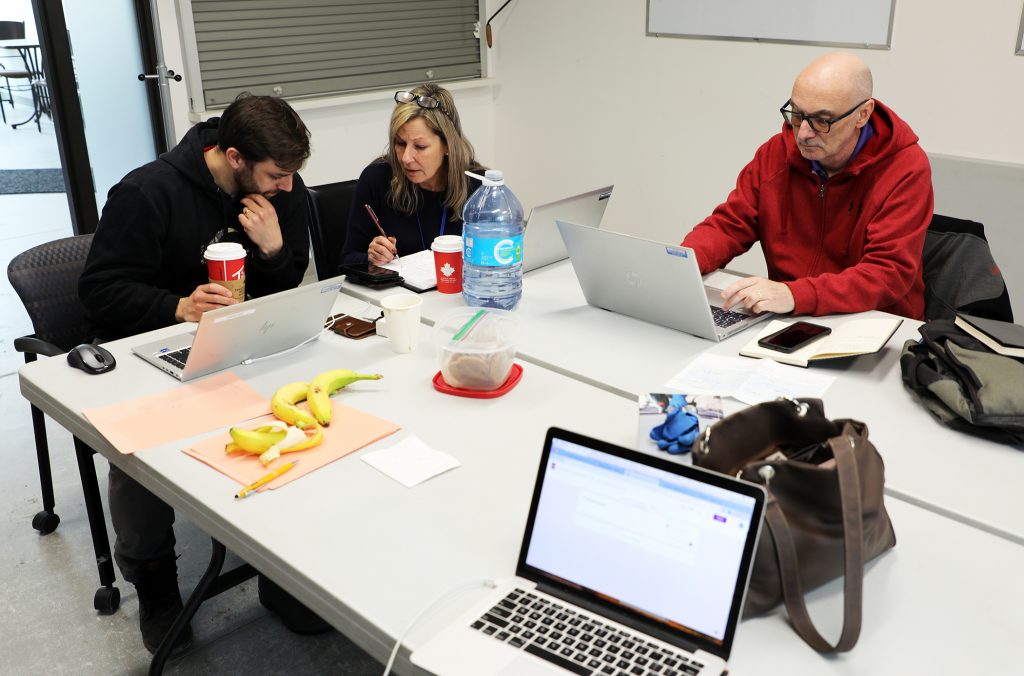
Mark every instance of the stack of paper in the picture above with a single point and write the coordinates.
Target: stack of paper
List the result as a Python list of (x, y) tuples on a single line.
[(416, 269)]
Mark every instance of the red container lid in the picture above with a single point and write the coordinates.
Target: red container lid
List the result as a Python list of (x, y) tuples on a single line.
[(513, 379)]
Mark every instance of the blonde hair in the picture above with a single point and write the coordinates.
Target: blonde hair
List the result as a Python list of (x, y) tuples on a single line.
[(443, 121)]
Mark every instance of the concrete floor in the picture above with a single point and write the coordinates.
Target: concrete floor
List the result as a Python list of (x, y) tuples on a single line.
[(47, 622)]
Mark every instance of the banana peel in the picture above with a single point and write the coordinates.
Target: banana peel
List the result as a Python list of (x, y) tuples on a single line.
[(326, 384), (254, 441), (270, 441), (313, 437)]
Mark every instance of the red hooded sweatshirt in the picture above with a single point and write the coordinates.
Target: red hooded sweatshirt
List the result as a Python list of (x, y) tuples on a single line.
[(850, 244)]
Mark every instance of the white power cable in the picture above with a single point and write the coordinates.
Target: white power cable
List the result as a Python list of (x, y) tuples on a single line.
[(253, 360), (468, 584)]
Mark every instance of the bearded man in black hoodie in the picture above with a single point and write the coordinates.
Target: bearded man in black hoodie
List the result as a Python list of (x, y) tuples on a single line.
[(231, 179)]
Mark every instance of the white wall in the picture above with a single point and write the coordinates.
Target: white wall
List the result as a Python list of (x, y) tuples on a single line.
[(347, 132), (581, 97), (585, 98)]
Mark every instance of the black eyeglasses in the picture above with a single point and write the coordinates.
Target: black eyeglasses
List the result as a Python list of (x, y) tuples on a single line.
[(820, 125), (421, 100)]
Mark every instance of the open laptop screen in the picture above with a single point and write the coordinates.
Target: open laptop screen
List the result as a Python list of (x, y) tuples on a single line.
[(667, 542)]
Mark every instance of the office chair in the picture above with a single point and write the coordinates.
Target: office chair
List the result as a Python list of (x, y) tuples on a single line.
[(329, 206), (11, 30), (960, 274), (46, 279)]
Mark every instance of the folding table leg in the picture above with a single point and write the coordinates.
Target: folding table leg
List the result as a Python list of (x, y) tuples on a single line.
[(108, 597), (210, 584)]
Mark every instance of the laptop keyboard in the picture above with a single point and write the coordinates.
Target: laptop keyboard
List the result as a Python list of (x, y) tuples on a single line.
[(578, 643), (178, 357), (726, 318)]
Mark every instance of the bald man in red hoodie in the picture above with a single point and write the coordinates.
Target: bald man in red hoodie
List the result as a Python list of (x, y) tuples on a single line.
[(840, 200)]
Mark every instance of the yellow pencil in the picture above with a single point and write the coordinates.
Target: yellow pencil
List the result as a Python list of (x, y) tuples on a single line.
[(266, 480)]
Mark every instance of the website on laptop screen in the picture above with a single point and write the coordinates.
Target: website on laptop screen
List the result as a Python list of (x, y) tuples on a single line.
[(662, 544)]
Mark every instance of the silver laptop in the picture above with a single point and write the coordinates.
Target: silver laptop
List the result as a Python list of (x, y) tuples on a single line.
[(256, 328), (628, 560), (542, 245), (656, 282)]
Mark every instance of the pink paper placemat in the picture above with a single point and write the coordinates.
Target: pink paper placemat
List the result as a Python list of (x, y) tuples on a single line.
[(349, 431), (185, 411)]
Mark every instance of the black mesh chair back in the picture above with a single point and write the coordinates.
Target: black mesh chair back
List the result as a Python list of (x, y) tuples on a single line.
[(46, 279), (960, 274), (329, 206), (12, 30)]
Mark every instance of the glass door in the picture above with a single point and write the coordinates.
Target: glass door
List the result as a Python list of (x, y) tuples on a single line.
[(106, 55)]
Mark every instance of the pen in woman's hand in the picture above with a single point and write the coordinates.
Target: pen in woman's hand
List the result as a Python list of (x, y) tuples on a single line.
[(376, 222)]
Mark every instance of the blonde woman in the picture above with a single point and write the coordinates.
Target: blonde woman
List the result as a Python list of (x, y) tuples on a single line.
[(418, 187)]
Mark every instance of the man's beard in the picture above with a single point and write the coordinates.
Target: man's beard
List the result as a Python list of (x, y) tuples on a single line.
[(247, 183)]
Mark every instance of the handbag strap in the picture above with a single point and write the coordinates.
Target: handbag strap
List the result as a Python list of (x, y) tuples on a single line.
[(853, 543)]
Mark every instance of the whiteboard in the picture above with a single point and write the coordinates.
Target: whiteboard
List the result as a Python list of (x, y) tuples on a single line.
[(865, 23)]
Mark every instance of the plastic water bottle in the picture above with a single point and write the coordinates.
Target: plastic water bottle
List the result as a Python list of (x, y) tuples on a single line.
[(492, 245)]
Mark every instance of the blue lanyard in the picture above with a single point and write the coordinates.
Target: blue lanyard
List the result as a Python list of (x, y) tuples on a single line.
[(444, 220)]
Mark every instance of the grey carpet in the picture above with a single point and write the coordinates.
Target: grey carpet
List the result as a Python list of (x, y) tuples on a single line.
[(14, 181)]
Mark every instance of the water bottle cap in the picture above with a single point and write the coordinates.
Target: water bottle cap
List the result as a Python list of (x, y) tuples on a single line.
[(491, 177)]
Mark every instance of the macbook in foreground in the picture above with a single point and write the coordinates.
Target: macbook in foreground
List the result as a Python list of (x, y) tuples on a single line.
[(656, 282), (256, 328), (629, 560), (542, 245)]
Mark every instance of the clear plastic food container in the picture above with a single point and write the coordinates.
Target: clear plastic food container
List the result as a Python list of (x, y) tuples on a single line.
[(476, 346)]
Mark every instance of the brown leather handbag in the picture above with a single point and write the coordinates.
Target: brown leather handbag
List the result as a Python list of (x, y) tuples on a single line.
[(825, 516)]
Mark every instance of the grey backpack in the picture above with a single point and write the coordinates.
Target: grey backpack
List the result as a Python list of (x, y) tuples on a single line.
[(964, 384)]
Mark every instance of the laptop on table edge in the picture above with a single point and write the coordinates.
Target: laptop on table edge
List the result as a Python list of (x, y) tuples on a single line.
[(653, 281), (624, 542), (259, 327), (542, 245)]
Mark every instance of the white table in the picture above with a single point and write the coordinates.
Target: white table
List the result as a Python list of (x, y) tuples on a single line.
[(321, 536), (956, 474), (367, 554)]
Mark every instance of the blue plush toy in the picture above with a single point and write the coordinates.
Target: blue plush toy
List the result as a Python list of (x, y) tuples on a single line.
[(679, 431)]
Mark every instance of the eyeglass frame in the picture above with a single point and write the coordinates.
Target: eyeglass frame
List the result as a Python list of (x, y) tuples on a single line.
[(809, 118), (423, 101)]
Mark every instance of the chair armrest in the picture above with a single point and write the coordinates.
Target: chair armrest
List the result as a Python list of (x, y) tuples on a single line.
[(36, 346)]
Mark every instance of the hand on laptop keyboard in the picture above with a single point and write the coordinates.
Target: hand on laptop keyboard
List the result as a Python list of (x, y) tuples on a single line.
[(758, 294)]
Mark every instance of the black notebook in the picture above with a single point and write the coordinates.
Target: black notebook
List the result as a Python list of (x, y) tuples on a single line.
[(1001, 337)]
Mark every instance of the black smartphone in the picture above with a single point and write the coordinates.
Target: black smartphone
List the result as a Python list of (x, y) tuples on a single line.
[(371, 275), (794, 336)]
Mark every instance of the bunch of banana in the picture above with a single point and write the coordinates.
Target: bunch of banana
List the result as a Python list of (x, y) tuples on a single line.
[(270, 441), (295, 429), (326, 384), (283, 405)]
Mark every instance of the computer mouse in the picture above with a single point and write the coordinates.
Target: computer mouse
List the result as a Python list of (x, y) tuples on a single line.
[(93, 359)]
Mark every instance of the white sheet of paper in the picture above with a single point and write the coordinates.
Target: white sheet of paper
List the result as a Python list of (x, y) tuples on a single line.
[(711, 374), (410, 461), (771, 380), (750, 381), (417, 268)]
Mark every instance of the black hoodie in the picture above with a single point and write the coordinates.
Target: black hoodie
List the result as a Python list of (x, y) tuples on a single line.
[(147, 253)]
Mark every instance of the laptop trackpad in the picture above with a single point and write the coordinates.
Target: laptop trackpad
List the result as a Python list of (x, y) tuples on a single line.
[(526, 666)]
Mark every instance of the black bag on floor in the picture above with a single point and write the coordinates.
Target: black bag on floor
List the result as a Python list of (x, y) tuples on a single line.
[(964, 384)]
